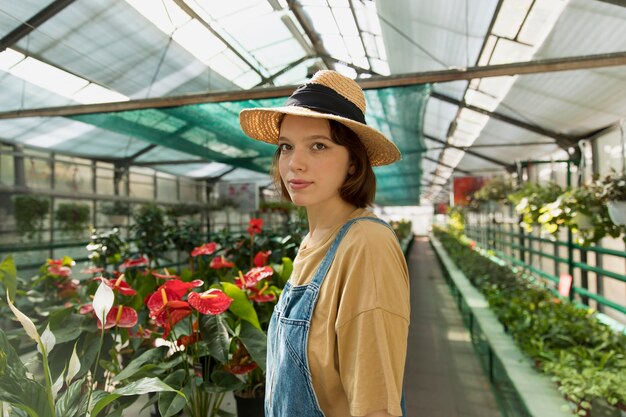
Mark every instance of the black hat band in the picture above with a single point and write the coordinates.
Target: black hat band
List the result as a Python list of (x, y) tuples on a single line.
[(323, 99)]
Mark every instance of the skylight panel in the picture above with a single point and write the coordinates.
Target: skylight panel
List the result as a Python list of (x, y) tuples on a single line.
[(541, 20), (511, 16), (347, 25), (280, 54), (199, 41), (222, 9), (323, 20), (497, 86), (164, 14), (248, 79), (9, 57), (354, 45), (339, 3), (335, 46), (94, 93), (507, 51), (46, 76)]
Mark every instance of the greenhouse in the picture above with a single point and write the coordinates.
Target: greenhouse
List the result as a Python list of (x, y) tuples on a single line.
[(147, 249)]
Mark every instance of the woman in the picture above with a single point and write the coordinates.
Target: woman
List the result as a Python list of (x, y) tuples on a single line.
[(337, 338)]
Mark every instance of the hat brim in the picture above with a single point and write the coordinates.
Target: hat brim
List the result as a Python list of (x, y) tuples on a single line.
[(263, 124)]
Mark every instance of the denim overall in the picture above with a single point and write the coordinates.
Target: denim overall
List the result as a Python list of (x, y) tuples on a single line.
[(289, 388)]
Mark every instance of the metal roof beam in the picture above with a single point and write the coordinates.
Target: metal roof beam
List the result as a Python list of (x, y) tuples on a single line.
[(33, 23), (563, 141), (183, 5), (374, 82), (470, 152), (444, 164), (615, 2), (318, 46)]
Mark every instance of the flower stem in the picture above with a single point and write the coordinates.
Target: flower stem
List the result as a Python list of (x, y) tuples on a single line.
[(93, 373), (46, 370)]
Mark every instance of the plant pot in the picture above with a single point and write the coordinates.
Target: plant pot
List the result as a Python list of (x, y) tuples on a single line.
[(617, 212), (250, 407)]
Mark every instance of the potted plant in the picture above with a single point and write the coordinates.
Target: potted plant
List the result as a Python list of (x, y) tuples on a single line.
[(580, 209), (183, 209), (495, 192), (150, 232), (117, 211), (614, 194), (30, 212), (530, 198), (72, 217)]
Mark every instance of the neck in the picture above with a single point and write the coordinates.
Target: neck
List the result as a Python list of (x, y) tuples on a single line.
[(327, 216)]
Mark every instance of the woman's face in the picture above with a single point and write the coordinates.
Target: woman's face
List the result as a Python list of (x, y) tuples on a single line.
[(311, 165)]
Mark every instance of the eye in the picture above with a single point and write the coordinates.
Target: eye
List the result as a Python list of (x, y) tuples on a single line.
[(318, 146), (284, 147)]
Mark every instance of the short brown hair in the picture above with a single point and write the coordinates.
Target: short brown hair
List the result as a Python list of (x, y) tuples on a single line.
[(359, 188)]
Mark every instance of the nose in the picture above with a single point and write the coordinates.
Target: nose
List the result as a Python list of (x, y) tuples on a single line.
[(297, 160)]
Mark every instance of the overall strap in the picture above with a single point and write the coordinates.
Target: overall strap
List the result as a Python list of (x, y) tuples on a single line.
[(322, 270)]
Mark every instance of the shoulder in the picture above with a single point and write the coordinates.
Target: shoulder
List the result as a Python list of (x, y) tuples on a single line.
[(367, 234)]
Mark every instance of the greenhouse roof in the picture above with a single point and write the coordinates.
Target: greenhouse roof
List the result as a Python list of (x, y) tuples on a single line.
[(466, 88)]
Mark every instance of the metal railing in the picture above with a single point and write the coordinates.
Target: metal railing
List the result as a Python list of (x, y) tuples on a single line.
[(511, 243)]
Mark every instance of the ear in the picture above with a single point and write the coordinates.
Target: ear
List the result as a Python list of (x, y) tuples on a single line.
[(351, 169)]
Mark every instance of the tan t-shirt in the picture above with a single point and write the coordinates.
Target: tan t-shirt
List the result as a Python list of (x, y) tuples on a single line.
[(358, 336)]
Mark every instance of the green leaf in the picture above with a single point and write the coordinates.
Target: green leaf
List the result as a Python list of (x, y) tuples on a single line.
[(225, 381), (285, 273), (139, 387), (241, 306), (8, 275), (170, 403), (151, 355), (218, 339), (255, 342), (15, 387), (72, 402)]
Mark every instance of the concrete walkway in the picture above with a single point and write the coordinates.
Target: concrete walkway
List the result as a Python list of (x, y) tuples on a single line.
[(443, 376)]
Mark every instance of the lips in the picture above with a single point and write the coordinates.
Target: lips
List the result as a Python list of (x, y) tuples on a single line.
[(299, 184)]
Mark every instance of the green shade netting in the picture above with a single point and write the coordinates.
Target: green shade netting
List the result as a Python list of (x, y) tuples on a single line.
[(211, 131)]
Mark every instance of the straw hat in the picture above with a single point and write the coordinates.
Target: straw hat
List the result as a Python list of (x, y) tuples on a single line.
[(328, 95)]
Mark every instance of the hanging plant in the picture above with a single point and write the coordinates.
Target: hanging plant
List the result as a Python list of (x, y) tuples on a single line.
[(30, 212), (183, 209), (72, 217), (497, 189), (582, 210), (530, 198), (614, 194), (116, 208)]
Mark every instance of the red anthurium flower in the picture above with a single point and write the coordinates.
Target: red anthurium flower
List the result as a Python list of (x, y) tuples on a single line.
[(58, 262), (260, 259), (260, 296), (171, 312), (120, 316), (174, 289), (118, 285), (86, 309), (189, 340), (92, 270), (472, 244), (253, 276), (67, 288), (166, 275), (59, 270), (141, 333), (212, 302), (206, 249), (220, 262), (136, 262), (241, 362), (255, 226)]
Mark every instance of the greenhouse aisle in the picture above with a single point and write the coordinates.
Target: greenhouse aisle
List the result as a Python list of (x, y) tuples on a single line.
[(443, 376)]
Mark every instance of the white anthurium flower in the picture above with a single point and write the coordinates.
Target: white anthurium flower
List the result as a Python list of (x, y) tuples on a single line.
[(103, 302), (73, 368), (47, 340), (27, 323), (56, 387)]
